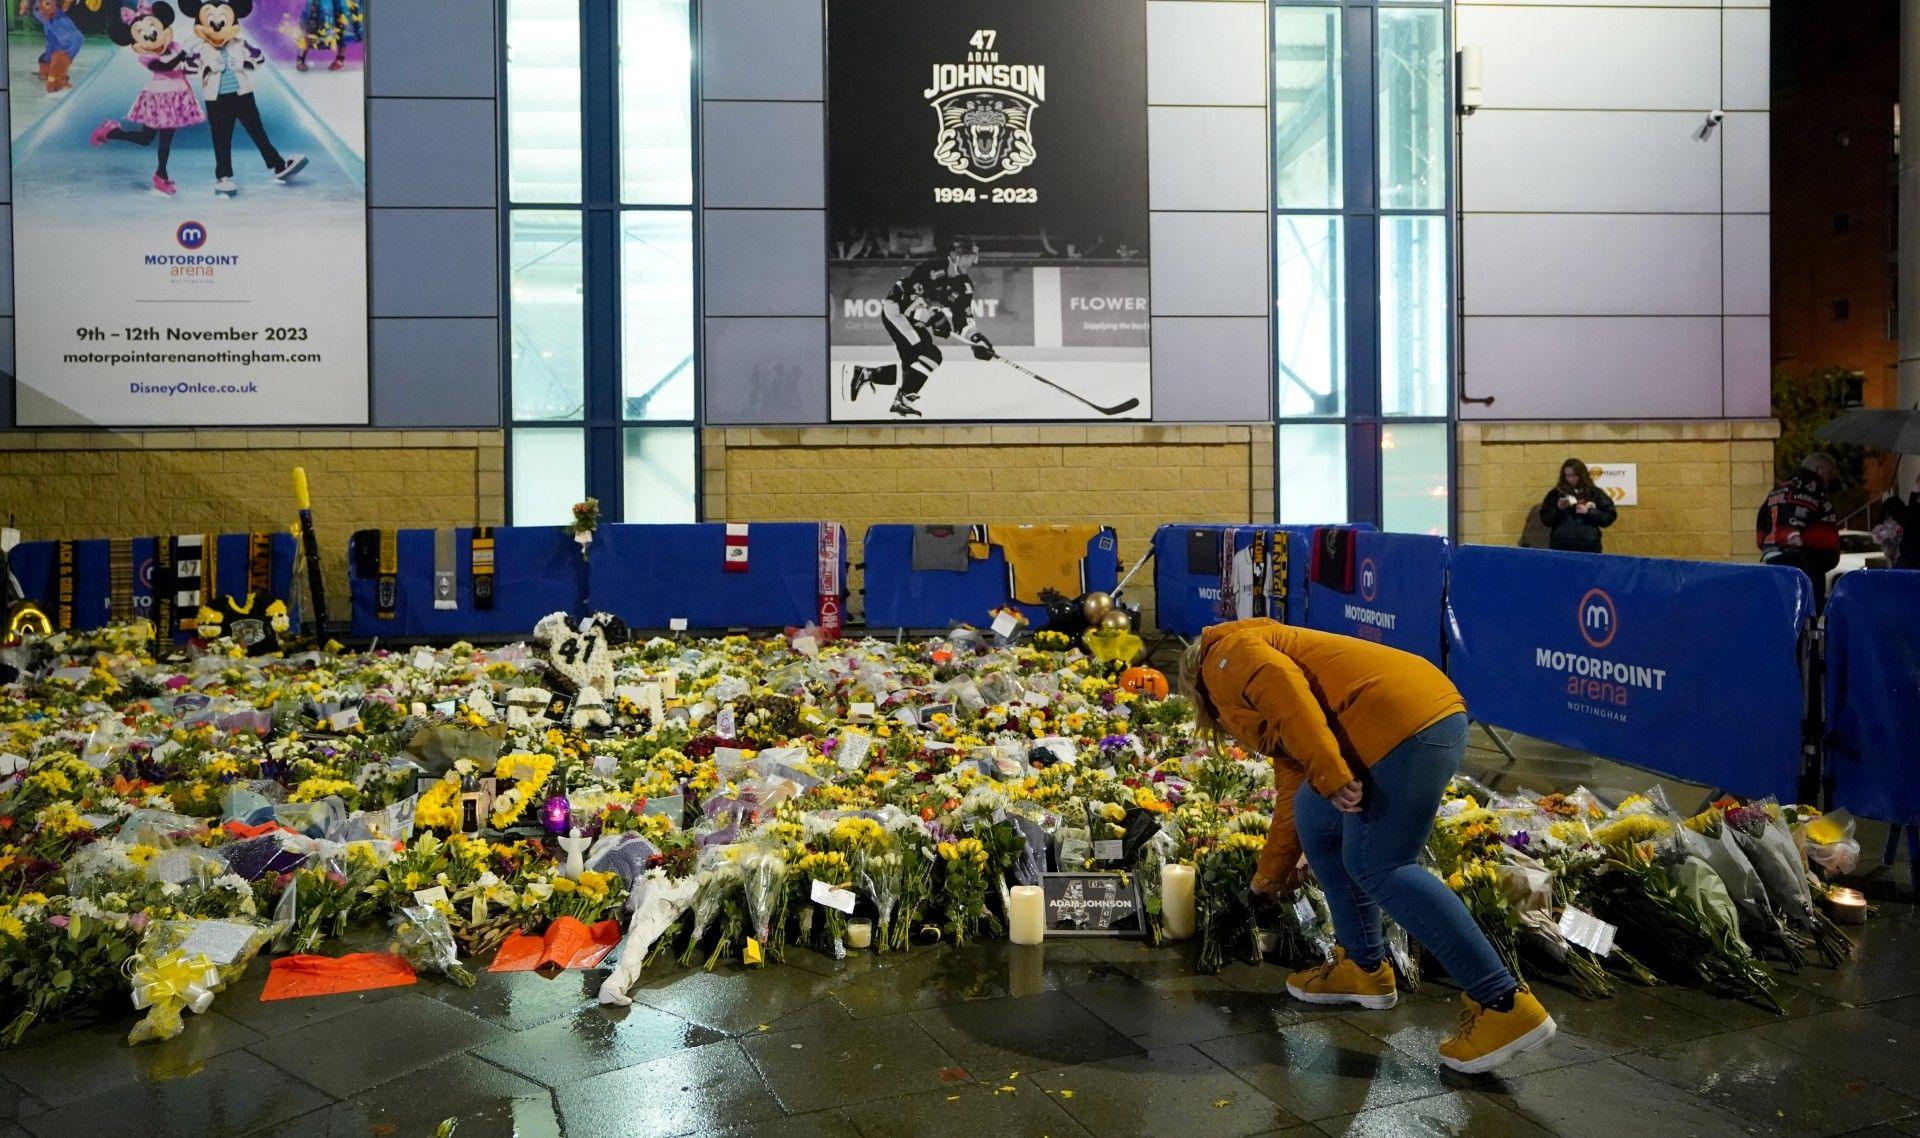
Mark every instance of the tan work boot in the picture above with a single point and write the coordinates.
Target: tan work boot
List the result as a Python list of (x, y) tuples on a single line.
[(1340, 981), (1487, 1038)]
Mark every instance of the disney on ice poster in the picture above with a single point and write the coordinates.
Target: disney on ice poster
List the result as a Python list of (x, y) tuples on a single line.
[(189, 211)]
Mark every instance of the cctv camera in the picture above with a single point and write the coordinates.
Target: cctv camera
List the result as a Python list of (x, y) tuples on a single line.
[(1714, 118), (1716, 115)]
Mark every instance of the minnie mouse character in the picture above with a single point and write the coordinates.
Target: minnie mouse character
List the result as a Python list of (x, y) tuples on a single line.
[(227, 62), (167, 103)]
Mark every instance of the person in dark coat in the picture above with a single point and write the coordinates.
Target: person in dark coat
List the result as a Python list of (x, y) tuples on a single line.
[(1907, 515), (1575, 510)]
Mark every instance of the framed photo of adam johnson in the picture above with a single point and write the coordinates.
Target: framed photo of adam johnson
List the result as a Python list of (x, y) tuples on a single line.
[(987, 219)]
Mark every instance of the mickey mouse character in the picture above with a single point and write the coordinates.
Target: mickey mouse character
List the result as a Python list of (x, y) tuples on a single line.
[(227, 64)]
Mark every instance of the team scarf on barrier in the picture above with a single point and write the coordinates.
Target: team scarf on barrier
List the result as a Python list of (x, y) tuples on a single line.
[(163, 610), (1228, 606), (1257, 556), (193, 574), (120, 580), (446, 594), (736, 554), (260, 563), (1282, 554), (386, 587), (63, 585), (830, 544), (481, 542)]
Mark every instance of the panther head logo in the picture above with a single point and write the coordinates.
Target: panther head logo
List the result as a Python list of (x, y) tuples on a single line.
[(985, 136)]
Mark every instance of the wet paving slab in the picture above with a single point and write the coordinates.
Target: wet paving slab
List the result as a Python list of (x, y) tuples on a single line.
[(1072, 1037), (1075, 1037)]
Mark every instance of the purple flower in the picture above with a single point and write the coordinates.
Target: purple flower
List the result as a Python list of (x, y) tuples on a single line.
[(1520, 840)]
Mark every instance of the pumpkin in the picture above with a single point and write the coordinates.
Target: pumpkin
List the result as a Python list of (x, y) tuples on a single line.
[(1143, 681)]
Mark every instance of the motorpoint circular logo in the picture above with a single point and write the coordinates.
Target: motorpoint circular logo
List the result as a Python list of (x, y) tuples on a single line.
[(191, 235), (1598, 618), (1369, 580)]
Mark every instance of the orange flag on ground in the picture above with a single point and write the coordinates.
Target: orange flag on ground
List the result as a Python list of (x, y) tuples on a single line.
[(567, 943), (295, 976)]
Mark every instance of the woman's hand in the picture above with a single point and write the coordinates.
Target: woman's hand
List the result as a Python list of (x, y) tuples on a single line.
[(1347, 798)]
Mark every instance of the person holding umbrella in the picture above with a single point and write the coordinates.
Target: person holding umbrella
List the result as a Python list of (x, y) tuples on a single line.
[(1907, 515), (1895, 432)]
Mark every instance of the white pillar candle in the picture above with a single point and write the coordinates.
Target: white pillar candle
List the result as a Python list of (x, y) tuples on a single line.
[(1176, 900), (1026, 915), (859, 933)]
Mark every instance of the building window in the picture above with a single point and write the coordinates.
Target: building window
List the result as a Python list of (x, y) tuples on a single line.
[(1363, 263), (602, 366)]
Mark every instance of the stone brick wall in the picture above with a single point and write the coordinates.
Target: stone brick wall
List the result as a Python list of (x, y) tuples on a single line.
[(1133, 478), (1700, 481), (63, 484)]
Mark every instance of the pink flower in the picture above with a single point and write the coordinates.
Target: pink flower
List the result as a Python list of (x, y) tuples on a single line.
[(137, 922), (57, 921)]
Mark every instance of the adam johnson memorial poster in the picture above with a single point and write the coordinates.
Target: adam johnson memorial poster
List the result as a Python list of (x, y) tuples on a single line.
[(189, 211), (987, 209)]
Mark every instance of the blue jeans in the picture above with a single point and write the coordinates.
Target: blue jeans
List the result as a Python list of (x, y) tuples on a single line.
[(1369, 861)]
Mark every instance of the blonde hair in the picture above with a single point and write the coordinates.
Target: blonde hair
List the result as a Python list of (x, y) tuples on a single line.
[(1193, 689)]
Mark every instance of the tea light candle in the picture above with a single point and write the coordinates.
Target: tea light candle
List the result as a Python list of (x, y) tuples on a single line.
[(1176, 900), (860, 933), (556, 816), (1849, 906), (1026, 915)]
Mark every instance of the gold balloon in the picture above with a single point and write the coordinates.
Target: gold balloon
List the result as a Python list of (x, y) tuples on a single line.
[(1096, 606), (1116, 621)]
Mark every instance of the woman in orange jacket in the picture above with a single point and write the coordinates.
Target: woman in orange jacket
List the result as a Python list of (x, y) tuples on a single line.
[(1363, 739)]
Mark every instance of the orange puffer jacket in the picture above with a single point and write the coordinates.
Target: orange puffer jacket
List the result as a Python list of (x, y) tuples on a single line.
[(1321, 705)]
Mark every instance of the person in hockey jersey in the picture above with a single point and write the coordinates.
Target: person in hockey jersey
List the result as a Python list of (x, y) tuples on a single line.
[(933, 302)]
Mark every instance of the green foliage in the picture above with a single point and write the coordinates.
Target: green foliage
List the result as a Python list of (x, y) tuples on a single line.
[(1804, 404)]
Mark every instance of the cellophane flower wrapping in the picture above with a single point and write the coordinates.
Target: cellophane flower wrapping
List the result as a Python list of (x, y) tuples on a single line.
[(422, 936)]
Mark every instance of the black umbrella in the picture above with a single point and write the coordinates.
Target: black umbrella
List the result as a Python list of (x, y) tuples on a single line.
[(1894, 431)]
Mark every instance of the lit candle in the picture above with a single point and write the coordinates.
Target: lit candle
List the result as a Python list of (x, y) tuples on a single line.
[(1176, 900), (859, 933), (1026, 915), (1849, 906), (556, 816)]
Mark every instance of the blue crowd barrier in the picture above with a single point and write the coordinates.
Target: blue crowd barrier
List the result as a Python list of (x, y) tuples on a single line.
[(1687, 668), (1873, 695), (899, 596), (652, 575), (1399, 593), (536, 571), (33, 565), (1186, 602)]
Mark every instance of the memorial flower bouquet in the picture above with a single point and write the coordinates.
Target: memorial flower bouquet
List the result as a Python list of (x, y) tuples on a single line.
[(586, 519), (963, 867), (1674, 904), (1763, 836)]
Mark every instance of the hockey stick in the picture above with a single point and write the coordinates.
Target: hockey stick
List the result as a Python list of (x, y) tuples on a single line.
[(316, 588), (1116, 409)]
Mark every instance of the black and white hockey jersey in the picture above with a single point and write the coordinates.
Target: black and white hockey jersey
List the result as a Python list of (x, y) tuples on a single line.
[(931, 283)]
